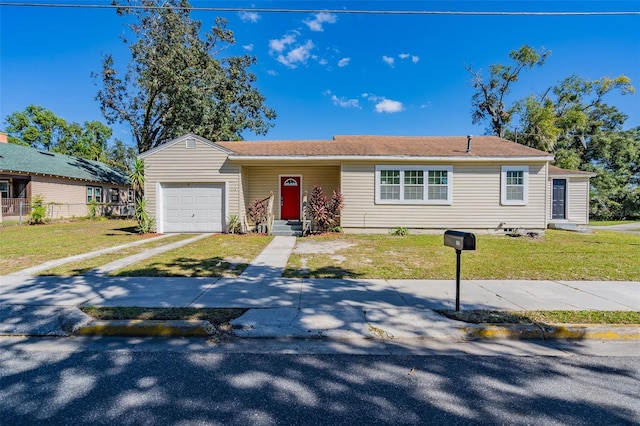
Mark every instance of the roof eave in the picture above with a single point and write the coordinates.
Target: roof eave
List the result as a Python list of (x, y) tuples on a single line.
[(391, 158)]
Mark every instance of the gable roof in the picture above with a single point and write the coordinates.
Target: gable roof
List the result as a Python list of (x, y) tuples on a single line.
[(24, 159), (361, 147)]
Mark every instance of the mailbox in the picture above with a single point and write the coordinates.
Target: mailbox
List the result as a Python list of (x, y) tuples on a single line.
[(460, 240)]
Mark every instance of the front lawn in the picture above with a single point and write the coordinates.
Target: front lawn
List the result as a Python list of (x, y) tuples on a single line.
[(29, 245), (556, 255), (216, 256), (611, 222)]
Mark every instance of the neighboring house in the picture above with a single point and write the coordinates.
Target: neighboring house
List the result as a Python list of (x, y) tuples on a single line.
[(67, 184), (426, 184)]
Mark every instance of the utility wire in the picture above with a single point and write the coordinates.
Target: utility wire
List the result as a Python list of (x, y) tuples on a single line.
[(334, 11)]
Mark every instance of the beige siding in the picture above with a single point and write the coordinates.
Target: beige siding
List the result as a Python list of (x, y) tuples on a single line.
[(475, 202), (67, 198), (178, 164), (263, 180), (578, 199)]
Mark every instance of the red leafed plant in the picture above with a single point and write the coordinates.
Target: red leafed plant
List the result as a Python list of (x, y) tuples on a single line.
[(324, 213)]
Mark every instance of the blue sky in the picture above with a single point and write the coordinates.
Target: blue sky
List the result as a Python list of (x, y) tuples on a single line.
[(330, 74)]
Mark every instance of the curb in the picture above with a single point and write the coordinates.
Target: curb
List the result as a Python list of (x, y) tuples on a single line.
[(151, 328), (550, 332), (187, 328)]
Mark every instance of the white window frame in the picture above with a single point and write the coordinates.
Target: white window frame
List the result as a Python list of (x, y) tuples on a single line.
[(425, 172), (8, 188), (503, 185), (92, 193)]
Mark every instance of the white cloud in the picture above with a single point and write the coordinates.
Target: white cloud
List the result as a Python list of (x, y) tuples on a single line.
[(272, 73), (297, 55), (388, 60), (415, 59), (315, 24), (252, 17), (279, 45), (248, 47), (404, 55), (344, 102), (344, 62), (389, 106)]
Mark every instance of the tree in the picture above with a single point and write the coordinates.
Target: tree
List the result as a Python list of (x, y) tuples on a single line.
[(42, 129), (616, 187), (121, 157), (176, 83), (489, 101), (37, 127)]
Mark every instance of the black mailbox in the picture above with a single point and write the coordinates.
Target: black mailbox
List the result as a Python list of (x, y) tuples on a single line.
[(460, 240)]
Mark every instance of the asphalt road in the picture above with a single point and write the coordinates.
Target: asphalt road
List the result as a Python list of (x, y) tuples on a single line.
[(192, 382)]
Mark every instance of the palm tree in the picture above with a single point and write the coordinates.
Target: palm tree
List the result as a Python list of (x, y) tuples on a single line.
[(145, 222)]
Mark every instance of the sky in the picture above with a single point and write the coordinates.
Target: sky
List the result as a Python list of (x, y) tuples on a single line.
[(327, 72)]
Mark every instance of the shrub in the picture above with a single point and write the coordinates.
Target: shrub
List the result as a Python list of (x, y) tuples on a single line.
[(400, 231), (324, 214), (92, 209), (146, 224), (233, 224), (38, 211), (257, 212)]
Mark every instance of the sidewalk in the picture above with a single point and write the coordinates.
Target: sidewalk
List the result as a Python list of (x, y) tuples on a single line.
[(313, 308)]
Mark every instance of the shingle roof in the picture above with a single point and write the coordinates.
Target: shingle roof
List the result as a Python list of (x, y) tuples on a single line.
[(18, 158), (411, 146), (556, 171)]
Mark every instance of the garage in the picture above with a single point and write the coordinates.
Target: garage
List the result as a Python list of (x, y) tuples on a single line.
[(193, 208)]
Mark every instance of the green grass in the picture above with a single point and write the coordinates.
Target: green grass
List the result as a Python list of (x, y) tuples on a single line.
[(611, 222), (216, 256), (29, 245), (556, 255), (84, 266), (215, 316), (544, 317)]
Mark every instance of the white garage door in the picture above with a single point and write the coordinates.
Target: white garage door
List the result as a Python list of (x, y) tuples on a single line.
[(193, 208)]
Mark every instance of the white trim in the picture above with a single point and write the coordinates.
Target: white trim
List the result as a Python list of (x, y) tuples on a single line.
[(279, 200), (503, 185), (388, 158), (159, 208), (426, 169), (225, 200)]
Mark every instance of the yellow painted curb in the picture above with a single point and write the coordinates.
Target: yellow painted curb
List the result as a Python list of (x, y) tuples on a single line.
[(147, 328), (551, 331)]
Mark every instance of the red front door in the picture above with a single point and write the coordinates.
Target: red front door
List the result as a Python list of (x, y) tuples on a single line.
[(290, 197)]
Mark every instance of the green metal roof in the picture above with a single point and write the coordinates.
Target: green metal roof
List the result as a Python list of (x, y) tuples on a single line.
[(18, 158)]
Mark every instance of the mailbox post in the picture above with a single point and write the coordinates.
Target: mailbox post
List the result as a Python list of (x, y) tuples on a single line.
[(459, 240)]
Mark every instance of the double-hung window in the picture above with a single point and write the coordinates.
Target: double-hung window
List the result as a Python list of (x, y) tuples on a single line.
[(94, 193), (514, 189), (413, 184)]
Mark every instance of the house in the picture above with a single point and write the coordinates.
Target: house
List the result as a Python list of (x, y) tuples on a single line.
[(426, 184), (67, 184)]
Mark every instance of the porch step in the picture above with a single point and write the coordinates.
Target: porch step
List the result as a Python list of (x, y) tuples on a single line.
[(568, 226), (287, 228)]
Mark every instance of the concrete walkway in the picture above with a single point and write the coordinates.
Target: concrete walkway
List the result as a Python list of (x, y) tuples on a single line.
[(628, 228), (281, 307)]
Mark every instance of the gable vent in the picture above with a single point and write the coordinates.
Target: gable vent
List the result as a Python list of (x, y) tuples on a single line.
[(190, 143)]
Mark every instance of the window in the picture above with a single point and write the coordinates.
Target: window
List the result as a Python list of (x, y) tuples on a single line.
[(130, 195), (514, 185), (115, 195), (94, 193), (413, 184), (4, 188)]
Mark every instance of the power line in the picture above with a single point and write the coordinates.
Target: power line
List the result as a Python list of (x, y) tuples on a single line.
[(334, 11)]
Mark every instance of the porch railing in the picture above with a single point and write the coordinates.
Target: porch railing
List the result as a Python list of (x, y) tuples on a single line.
[(305, 221), (11, 206), (268, 218)]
